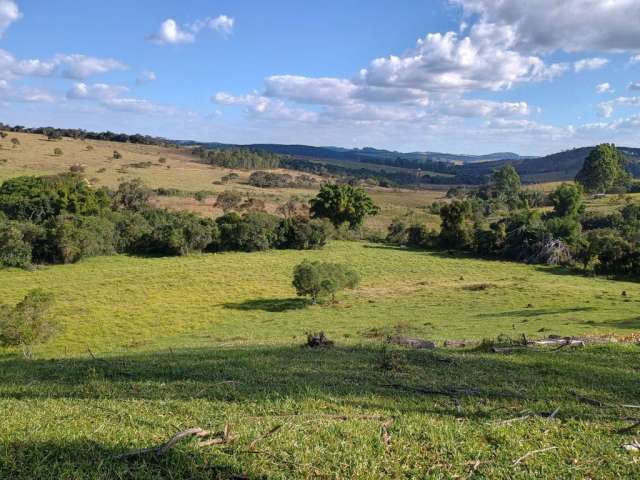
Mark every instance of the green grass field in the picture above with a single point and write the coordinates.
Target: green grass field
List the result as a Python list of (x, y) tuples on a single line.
[(152, 346)]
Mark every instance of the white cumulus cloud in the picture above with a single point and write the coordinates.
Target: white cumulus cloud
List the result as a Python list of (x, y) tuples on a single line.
[(9, 13), (79, 67), (569, 25), (96, 91), (604, 88), (172, 34), (590, 64)]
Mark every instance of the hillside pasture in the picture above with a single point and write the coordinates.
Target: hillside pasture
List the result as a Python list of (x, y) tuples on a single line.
[(152, 346)]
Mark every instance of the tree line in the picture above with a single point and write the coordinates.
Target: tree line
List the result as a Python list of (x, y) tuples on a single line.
[(501, 220), (80, 134), (242, 158), (63, 219)]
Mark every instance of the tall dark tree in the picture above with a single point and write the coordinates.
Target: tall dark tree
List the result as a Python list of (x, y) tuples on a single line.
[(343, 203), (603, 169), (506, 181), (457, 225)]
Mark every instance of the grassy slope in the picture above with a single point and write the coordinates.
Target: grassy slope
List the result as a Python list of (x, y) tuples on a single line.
[(35, 156), (214, 339)]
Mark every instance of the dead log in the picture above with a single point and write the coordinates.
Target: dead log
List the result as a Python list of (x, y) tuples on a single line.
[(412, 342), (560, 342)]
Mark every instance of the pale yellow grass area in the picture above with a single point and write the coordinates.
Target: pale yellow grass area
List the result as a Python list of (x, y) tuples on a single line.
[(35, 156)]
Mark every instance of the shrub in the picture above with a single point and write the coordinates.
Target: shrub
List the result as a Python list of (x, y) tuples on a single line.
[(57, 151), (419, 236), (567, 200), (117, 155), (263, 179), (317, 280), (201, 195), (254, 231), (29, 322), (132, 196), (303, 234), (175, 233), (228, 200), (15, 142), (70, 238), (16, 243), (162, 160), (38, 199), (567, 229), (397, 232)]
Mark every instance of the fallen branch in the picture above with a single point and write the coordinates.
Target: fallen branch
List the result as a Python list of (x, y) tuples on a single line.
[(162, 449), (531, 454), (227, 437), (263, 436), (629, 428)]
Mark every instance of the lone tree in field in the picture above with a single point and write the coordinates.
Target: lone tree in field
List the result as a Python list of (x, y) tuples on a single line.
[(567, 200), (603, 169), (3, 135), (29, 322), (343, 203), (317, 280)]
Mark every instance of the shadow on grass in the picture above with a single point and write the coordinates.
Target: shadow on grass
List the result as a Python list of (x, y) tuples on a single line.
[(270, 305), (531, 313), (252, 374), (630, 323), (32, 460)]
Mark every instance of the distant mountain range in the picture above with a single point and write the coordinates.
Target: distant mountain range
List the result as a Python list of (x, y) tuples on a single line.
[(436, 167), (362, 154)]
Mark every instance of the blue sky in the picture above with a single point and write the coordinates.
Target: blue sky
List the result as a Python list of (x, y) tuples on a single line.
[(466, 76)]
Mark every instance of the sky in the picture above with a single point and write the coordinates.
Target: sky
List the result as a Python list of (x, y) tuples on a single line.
[(459, 76)]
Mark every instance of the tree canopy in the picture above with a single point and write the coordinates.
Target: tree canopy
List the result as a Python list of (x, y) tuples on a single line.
[(343, 204), (602, 169), (319, 279)]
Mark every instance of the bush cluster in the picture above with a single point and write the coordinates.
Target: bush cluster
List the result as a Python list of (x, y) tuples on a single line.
[(62, 219), (608, 243)]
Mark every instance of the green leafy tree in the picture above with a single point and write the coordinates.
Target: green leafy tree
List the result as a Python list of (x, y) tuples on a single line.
[(457, 224), (317, 279), (343, 204), (132, 196), (567, 200), (603, 169), (506, 182)]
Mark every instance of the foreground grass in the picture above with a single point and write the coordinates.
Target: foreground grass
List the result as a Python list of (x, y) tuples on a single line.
[(211, 340)]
